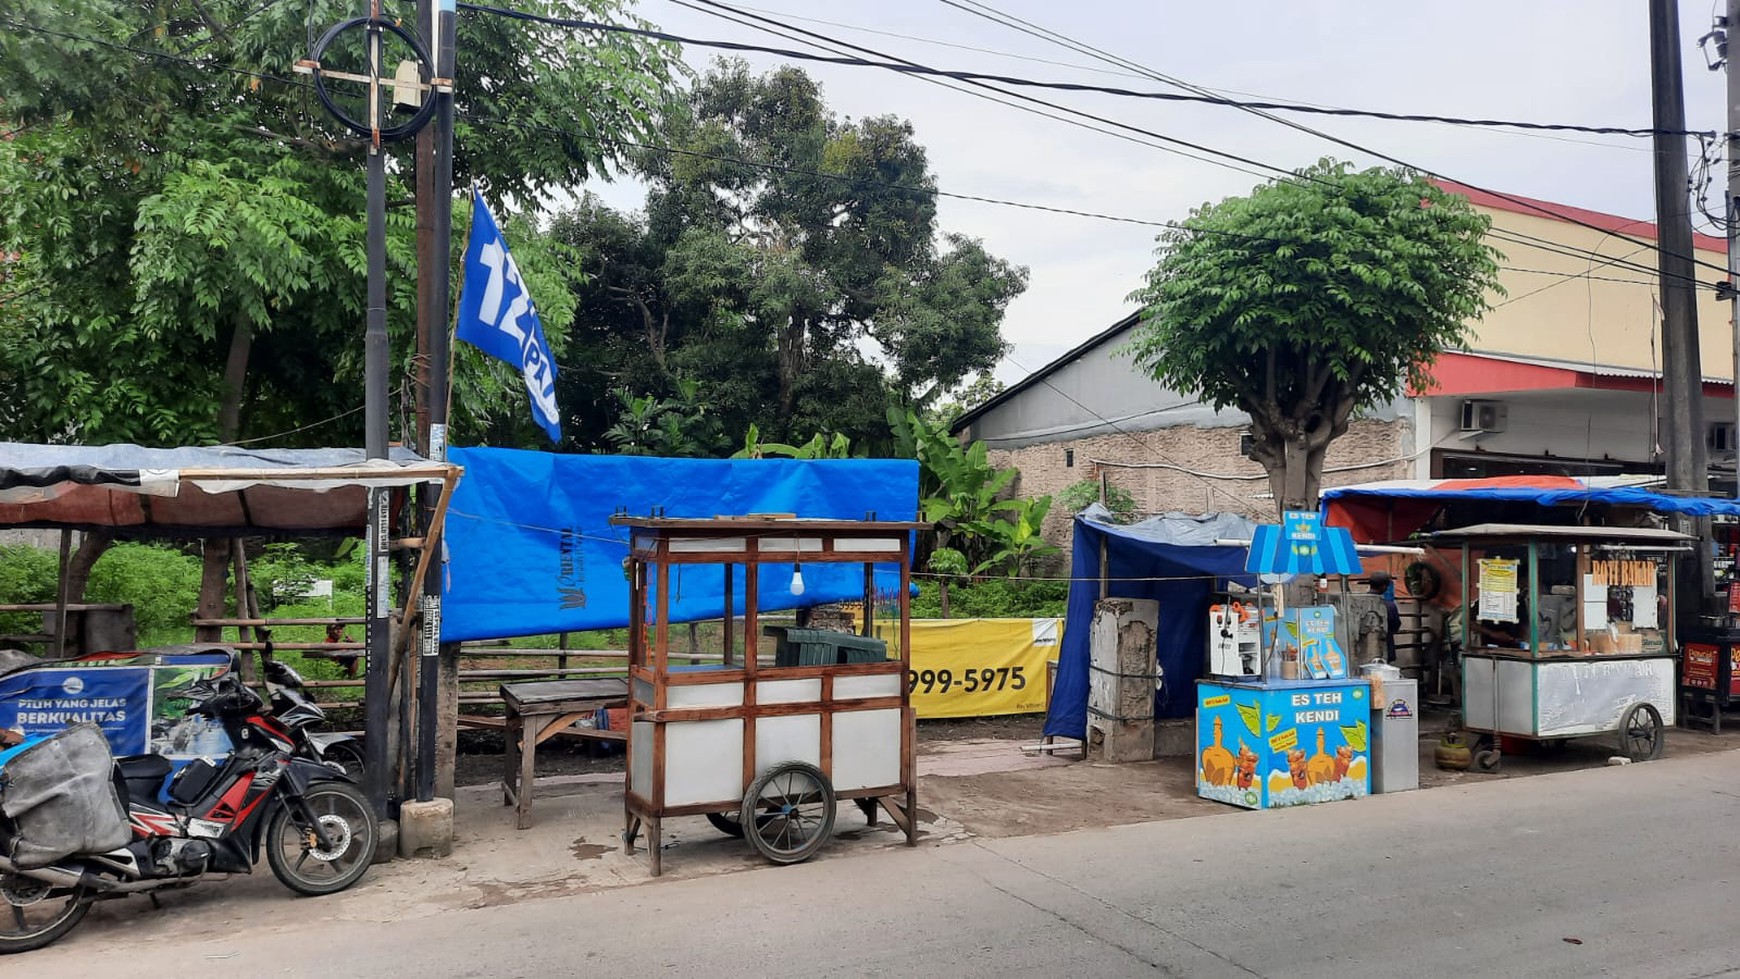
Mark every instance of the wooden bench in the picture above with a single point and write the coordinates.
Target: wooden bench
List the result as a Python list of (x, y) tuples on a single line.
[(536, 712)]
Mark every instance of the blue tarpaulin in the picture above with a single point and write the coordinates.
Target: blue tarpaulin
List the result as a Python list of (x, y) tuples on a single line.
[(1173, 559), (531, 550)]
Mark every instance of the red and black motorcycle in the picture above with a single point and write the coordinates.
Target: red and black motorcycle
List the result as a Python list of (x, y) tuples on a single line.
[(317, 829)]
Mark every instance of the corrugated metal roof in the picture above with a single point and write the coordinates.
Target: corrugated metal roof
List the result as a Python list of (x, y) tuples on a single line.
[(1582, 366)]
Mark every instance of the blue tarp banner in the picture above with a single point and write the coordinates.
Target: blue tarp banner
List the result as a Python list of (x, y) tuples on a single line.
[(1172, 559), (531, 550), (139, 701)]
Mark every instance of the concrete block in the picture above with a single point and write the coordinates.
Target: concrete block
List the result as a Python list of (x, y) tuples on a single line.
[(1121, 677), (388, 848), (426, 828)]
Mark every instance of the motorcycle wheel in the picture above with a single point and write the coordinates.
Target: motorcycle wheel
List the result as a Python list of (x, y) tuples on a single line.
[(349, 756), (34, 914), (349, 821)]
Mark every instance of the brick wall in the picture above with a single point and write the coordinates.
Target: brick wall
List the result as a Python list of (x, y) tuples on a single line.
[(1045, 468)]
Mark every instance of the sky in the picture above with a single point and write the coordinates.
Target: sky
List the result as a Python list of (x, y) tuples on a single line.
[(1583, 62)]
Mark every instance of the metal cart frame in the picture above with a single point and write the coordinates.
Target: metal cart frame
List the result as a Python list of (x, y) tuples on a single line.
[(781, 743), (1631, 695)]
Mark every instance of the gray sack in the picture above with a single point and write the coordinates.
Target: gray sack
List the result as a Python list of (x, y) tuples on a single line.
[(60, 796)]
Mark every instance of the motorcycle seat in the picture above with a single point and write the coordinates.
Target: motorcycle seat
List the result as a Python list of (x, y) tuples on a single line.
[(142, 776)]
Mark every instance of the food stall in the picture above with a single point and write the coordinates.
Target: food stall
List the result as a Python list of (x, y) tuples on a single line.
[(1568, 634), (767, 742), (1298, 730)]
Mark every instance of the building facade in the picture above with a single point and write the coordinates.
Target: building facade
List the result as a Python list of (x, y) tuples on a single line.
[(1562, 376)]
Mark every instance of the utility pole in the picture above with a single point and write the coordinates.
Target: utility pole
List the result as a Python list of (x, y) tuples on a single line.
[(1682, 372), (438, 19), (1732, 211)]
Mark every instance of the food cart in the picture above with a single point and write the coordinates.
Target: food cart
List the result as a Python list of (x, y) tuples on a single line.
[(1568, 634), (1293, 727), (765, 743)]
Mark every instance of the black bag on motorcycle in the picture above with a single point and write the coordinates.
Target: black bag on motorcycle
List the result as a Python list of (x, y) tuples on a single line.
[(59, 795)]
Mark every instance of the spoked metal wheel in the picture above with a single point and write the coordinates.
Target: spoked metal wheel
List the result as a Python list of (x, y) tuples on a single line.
[(33, 913), (1640, 733), (793, 803), (294, 849)]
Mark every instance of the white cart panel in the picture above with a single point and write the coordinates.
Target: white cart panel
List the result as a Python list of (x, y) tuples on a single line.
[(788, 691), (704, 695), (641, 763), (866, 748), (1590, 697), (794, 738), (1516, 701), (865, 687), (703, 760)]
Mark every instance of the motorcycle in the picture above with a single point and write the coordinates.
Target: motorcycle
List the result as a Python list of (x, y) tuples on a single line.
[(290, 704), (317, 829)]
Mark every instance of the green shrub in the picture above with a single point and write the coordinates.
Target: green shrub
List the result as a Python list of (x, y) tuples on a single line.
[(994, 598), (27, 575), (161, 583)]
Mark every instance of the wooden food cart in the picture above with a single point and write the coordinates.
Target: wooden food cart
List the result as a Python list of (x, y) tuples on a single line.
[(800, 720), (1568, 633)]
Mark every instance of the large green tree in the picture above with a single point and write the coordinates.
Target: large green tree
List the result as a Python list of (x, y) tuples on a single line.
[(789, 261), (183, 230), (1314, 297), (185, 223)]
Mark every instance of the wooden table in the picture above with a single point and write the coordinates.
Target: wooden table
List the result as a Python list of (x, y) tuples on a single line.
[(546, 708)]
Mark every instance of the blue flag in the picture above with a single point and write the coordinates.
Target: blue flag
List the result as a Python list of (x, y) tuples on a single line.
[(496, 315)]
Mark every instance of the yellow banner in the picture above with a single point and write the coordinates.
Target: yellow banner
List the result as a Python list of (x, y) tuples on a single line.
[(980, 667)]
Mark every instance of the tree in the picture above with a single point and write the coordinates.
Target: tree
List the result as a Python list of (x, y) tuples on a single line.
[(184, 225), (1312, 298), (789, 260)]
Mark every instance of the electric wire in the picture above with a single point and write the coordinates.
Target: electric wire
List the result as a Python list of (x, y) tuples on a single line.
[(906, 67), (996, 16), (1516, 238)]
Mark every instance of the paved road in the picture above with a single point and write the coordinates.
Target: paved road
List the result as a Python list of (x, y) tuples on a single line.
[(1631, 871)]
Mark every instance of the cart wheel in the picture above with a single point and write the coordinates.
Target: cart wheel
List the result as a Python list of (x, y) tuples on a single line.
[(1554, 746), (1640, 733), (726, 822), (793, 804), (1487, 761)]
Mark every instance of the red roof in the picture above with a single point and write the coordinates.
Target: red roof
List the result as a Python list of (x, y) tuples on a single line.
[(1516, 203), (1474, 374)]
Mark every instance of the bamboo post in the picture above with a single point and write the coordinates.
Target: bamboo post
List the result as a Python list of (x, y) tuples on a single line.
[(60, 597)]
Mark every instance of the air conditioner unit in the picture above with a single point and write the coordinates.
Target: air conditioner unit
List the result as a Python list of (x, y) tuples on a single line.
[(1719, 436), (1484, 416)]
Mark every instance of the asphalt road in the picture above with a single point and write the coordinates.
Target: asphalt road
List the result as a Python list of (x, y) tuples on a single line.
[(1631, 871)]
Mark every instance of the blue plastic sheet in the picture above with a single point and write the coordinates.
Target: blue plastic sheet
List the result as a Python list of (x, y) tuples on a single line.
[(531, 549), (1172, 559)]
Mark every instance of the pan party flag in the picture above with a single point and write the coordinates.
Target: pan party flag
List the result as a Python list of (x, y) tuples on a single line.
[(496, 315)]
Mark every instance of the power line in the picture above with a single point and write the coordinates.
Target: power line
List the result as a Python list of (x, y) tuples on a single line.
[(1011, 21), (836, 45), (1282, 172), (959, 75)]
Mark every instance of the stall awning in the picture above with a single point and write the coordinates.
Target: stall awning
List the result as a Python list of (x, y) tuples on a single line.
[(1395, 508), (194, 491)]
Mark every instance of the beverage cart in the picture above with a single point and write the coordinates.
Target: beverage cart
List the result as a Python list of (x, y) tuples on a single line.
[(767, 742), (1568, 633)]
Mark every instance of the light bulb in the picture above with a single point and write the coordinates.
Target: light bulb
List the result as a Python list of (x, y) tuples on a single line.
[(797, 580)]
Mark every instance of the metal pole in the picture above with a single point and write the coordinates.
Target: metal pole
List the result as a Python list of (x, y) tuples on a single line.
[(1682, 372), (376, 692), (440, 288), (1733, 214)]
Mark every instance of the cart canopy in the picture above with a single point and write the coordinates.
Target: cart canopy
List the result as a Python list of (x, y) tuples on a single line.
[(198, 491), (1176, 559)]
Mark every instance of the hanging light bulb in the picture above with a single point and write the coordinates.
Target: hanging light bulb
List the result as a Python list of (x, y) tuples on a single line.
[(797, 580)]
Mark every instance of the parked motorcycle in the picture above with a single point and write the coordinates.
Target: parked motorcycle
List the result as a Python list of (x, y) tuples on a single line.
[(317, 830), (293, 708)]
